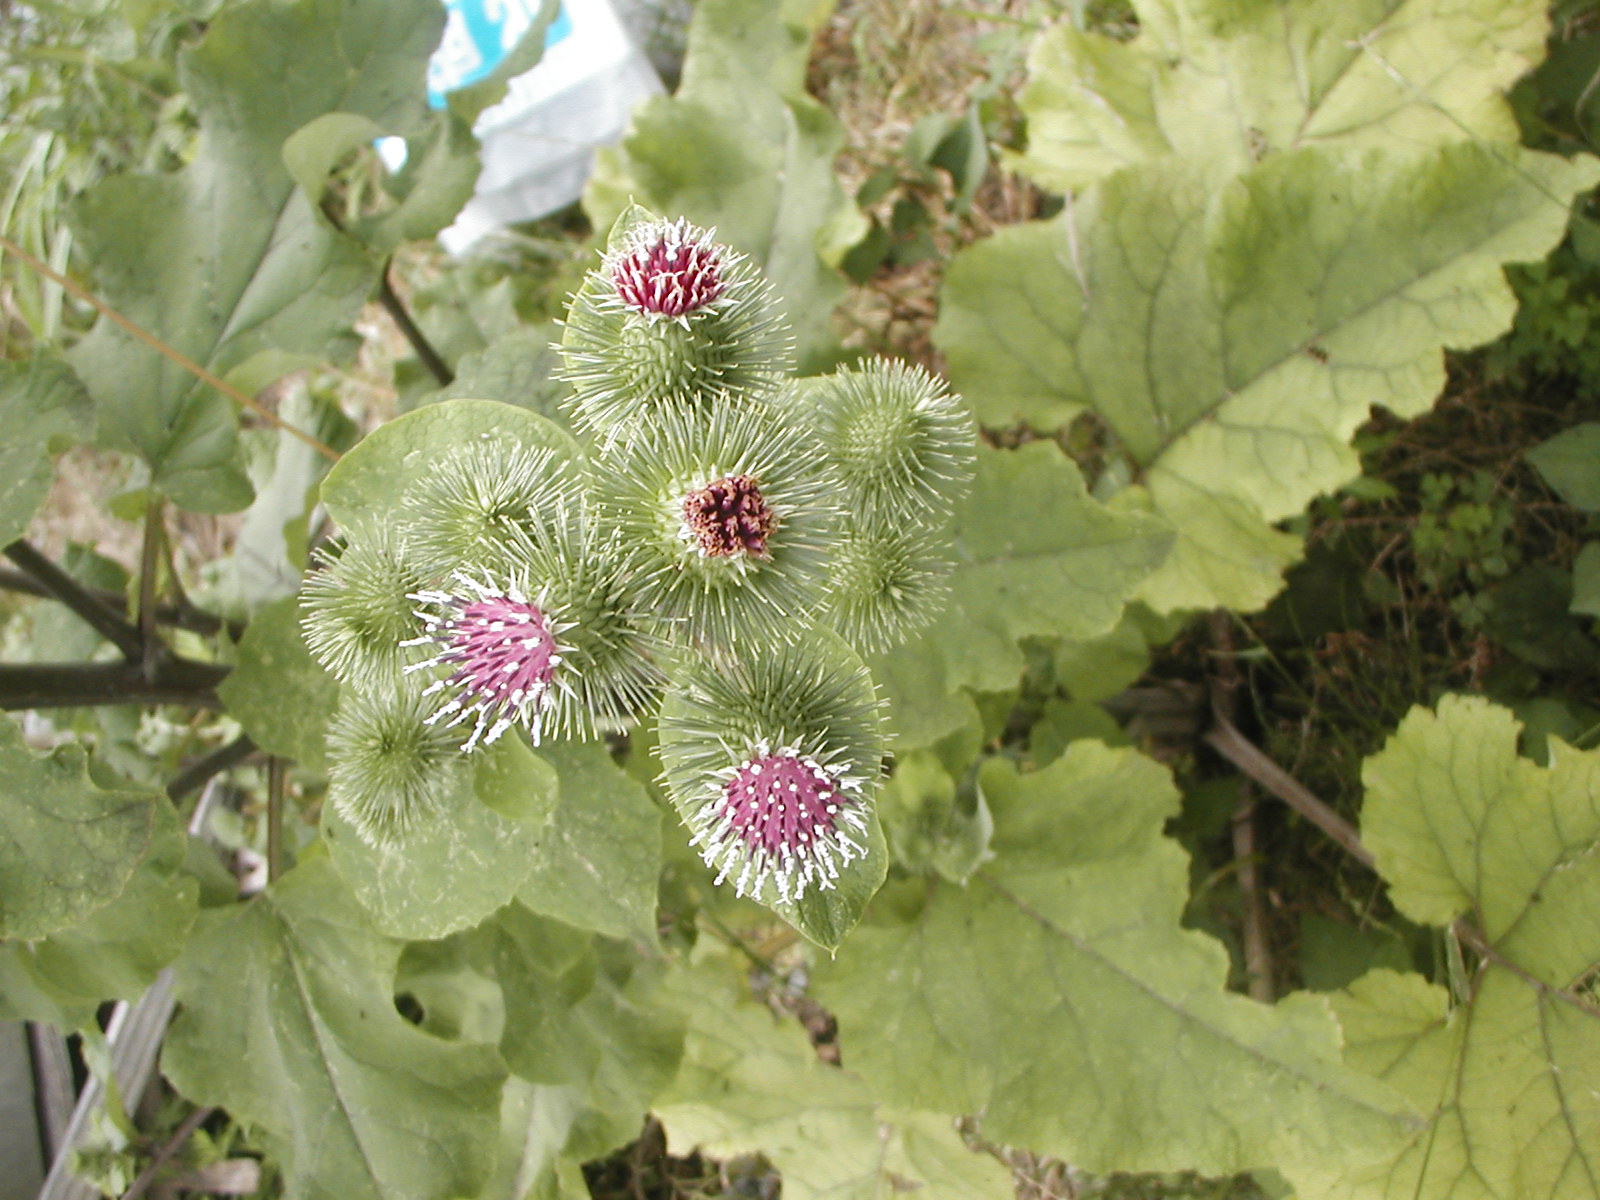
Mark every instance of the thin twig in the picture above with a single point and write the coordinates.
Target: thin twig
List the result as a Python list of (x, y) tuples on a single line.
[(71, 685), (1231, 744), (1257, 953), (222, 759), (110, 625), (160, 347), (395, 307), (1237, 749), (180, 614), (168, 1148), (1224, 688)]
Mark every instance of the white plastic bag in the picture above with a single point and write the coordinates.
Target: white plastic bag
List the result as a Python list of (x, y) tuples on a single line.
[(539, 142)]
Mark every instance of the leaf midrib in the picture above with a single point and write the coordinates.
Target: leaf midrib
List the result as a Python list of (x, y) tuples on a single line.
[(1089, 951)]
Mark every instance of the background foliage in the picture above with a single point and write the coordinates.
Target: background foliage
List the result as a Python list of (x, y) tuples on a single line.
[(1253, 521)]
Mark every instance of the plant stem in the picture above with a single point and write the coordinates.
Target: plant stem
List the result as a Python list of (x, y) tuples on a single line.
[(1233, 746), (110, 625), (70, 685), (1224, 688), (179, 614), (160, 347), (395, 307), (223, 758), (168, 1148)]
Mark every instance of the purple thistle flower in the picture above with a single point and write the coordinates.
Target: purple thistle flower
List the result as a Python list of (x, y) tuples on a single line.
[(780, 815), (504, 653), (673, 270), (728, 516)]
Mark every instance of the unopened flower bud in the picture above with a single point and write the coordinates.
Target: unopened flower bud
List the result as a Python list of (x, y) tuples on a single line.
[(885, 582), (391, 771), (902, 443), (356, 614), (467, 507)]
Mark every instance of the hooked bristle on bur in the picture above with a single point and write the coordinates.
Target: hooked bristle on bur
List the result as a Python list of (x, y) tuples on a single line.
[(886, 582), (469, 505), (391, 771)]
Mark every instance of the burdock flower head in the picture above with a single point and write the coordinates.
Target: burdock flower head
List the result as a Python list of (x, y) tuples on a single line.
[(726, 519), (774, 764), (550, 642), (670, 269), (671, 318)]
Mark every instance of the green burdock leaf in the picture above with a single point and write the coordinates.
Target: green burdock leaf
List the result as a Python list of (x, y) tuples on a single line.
[(1463, 827), (752, 1083), (288, 1022), (1064, 960), (1066, 570), (1233, 331), (742, 148), (441, 168), (374, 477), (227, 261), (1570, 463), (114, 953), (1233, 82), (456, 868), (67, 845), (277, 692), (517, 368), (535, 1125), (587, 1014), (598, 863), (1036, 556), (42, 406)]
